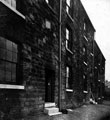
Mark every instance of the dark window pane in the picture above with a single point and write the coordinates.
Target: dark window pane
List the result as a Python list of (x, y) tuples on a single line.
[(2, 75), (13, 77), (13, 72), (2, 43), (9, 56), (2, 65), (14, 48), (13, 68), (8, 60), (8, 76), (2, 53), (9, 45), (8, 66), (14, 57)]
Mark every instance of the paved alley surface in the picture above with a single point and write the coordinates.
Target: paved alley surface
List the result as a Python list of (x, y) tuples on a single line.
[(86, 112)]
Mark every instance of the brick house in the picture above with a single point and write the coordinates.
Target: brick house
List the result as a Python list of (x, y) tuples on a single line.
[(29, 60), (99, 73)]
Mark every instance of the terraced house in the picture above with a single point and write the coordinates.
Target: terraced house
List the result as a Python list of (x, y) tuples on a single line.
[(99, 73), (46, 57)]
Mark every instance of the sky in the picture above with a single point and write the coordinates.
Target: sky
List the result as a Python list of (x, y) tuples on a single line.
[(99, 14)]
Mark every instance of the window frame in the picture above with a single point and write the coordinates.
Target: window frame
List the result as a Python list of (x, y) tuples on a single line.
[(85, 53), (68, 39), (85, 81), (68, 7), (50, 3), (11, 62), (69, 82)]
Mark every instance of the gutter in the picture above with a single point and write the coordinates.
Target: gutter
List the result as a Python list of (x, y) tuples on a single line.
[(59, 54)]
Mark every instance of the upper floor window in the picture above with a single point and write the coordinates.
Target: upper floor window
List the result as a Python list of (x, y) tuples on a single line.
[(9, 64), (50, 2), (67, 5), (47, 1), (11, 3), (85, 82), (85, 53), (84, 50), (69, 9), (68, 77), (68, 39), (47, 24), (84, 26)]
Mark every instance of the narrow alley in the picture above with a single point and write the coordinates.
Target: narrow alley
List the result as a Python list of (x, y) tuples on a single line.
[(85, 112)]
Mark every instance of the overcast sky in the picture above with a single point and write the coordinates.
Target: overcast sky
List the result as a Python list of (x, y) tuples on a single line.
[(99, 14)]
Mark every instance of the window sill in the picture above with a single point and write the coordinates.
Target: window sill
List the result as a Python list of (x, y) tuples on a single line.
[(92, 54), (13, 9), (7, 86), (85, 38), (69, 50), (69, 90), (85, 63)]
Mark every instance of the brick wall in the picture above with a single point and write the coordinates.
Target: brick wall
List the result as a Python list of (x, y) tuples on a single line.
[(40, 52)]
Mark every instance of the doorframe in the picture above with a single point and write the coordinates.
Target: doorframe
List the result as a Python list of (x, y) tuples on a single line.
[(52, 73)]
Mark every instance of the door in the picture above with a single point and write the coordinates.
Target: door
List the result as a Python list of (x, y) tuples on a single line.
[(49, 85)]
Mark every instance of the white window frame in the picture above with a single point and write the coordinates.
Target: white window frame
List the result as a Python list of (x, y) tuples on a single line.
[(47, 1), (67, 37), (67, 77), (84, 26), (68, 40), (68, 89), (67, 6)]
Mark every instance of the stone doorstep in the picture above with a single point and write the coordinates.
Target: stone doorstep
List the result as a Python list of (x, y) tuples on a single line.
[(51, 109), (49, 105), (58, 113)]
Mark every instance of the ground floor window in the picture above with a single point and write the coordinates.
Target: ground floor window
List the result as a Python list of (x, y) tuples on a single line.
[(85, 82), (9, 62), (69, 77)]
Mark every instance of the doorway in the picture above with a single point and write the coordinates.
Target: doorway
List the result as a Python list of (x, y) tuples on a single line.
[(49, 85)]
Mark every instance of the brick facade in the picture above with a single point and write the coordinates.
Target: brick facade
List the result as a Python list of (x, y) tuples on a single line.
[(99, 73), (38, 36)]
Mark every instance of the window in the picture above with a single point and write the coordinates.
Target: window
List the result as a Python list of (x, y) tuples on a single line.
[(47, 24), (84, 26), (17, 6), (50, 2), (68, 39), (85, 53), (11, 3), (47, 1), (67, 6), (68, 77), (85, 82), (8, 61)]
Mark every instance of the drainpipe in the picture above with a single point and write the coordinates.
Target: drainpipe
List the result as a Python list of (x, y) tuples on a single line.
[(59, 52)]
